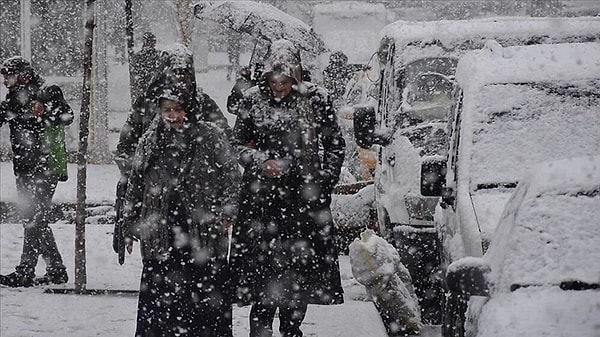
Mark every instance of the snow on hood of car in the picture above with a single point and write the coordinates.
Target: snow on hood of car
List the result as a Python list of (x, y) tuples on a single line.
[(549, 312), (549, 231)]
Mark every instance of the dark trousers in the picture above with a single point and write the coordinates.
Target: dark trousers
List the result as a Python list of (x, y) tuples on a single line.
[(36, 193), (291, 315), (177, 299)]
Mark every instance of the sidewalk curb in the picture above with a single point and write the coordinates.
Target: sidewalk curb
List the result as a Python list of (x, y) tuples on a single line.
[(96, 213)]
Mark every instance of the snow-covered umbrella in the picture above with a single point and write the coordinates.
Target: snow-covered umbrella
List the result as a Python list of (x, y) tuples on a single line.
[(261, 21)]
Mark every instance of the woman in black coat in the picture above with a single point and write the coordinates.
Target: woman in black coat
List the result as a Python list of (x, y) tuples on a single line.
[(181, 199), (291, 148)]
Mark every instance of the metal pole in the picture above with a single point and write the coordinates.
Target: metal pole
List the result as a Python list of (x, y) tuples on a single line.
[(26, 29), (129, 35), (80, 263)]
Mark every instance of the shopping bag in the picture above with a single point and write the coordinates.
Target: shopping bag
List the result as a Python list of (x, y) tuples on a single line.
[(57, 154)]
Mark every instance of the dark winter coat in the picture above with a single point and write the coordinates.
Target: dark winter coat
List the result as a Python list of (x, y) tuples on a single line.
[(145, 108), (205, 187), (29, 146), (285, 230), (145, 64), (336, 75)]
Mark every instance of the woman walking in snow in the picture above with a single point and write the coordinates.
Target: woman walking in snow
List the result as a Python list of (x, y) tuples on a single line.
[(181, 198), (291, 148)]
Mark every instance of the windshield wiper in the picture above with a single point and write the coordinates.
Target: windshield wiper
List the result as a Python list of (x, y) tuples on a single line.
[(564, 285), (578, 285), (489, 186)]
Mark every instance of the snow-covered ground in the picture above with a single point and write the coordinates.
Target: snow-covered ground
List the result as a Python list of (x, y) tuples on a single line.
[(30, 312), (33, 313)]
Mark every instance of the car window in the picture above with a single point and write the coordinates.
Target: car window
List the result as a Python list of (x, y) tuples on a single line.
[(386, 100), (516, 125), (426, 90), (430, 139)]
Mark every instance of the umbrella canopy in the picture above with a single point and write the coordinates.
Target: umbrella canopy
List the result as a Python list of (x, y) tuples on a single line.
[(262, 21)]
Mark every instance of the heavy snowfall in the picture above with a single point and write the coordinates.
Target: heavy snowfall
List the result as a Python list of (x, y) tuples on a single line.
[(51, 33)]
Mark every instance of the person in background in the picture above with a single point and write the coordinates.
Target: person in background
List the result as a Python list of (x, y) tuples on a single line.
[(177, 69), (336, 75), (287, 139), (181, 199), (30, 109), (144, 65)]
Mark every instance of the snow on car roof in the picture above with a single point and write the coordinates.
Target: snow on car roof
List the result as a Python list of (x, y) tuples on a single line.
[(497, 64), (449, 32), (349, 8)]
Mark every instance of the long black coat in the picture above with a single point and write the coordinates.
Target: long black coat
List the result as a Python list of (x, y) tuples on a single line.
[(284, 236), (27, 137), (207, 188)]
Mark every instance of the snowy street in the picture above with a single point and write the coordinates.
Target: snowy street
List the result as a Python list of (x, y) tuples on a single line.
[(29, 312)]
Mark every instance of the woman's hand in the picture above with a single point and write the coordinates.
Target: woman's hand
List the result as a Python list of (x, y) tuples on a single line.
[(129, 239), (271, 169), (37, 108)]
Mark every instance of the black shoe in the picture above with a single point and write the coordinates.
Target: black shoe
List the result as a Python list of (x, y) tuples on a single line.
[(16, 279), (56, 278)]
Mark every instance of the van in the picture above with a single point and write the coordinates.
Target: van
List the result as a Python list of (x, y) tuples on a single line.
[(418, 61), (517, 106)]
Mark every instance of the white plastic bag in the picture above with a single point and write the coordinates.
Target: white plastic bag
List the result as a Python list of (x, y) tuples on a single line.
[(376, 265)]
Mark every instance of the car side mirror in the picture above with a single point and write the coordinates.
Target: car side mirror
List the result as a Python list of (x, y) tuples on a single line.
[(468, 276), (364, 126), (433, 176)]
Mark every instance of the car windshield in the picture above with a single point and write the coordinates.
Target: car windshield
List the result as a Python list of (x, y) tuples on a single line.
[(427, 89), (517, 125)]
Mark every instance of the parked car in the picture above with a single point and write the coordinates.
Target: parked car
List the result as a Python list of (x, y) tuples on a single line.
[(517, 106), (410, 125), (418, 63), (541, 274)]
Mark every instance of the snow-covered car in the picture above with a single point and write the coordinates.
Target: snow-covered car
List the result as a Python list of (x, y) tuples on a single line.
[(517, 106), (541, 274), (418, 63), (410, 126)]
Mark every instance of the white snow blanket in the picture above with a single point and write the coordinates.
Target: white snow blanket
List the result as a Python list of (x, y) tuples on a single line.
[(376, 265)]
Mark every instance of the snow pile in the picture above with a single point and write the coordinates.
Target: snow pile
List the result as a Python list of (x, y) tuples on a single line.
[(352, 210), (376, 264)]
